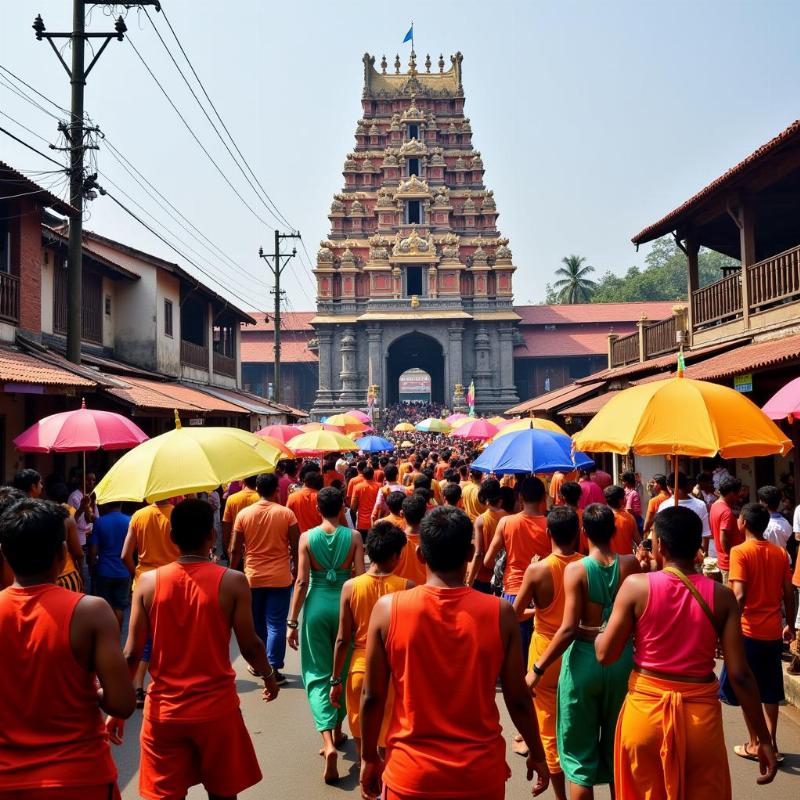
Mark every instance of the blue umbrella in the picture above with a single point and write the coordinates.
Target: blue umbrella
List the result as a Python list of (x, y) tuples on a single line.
[(373, 444), (531, 451)]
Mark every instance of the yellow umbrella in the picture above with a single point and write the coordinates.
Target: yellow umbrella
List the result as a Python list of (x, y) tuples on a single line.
[(682, 417), (347, 422), (186, 460), (406, 443), (497, 420), (532, 423), (403, 427), (685, 417), (316, 443)]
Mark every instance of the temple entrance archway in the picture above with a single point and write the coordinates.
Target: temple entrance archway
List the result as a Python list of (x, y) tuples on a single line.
[(415, 350), (415, 386)]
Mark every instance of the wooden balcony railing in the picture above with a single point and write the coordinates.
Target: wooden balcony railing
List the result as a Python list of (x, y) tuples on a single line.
[(625, 350), (194, 355), (224, 365), (774, 280), (717, 302), (660, 338), (9, 297)]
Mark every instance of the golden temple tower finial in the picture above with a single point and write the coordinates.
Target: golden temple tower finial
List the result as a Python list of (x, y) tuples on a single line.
[(428, 63), (397, 63), (441, 63), (383, 64), (412, 64)]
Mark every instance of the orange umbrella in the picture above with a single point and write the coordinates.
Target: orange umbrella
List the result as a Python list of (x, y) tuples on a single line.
[(276, 443), (347, 423)]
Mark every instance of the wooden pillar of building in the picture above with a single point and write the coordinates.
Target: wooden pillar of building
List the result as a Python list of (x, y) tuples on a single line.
[(693, 272), (641, 328), (612, 337), (747, 245)]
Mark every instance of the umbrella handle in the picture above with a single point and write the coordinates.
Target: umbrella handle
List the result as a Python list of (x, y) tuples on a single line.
[(675, 459)]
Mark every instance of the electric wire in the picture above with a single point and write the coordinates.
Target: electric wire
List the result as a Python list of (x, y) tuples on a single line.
[(30, 147), (248, 303), (35, 91), (214, 250), (171, 233), (197, 140), (210, 121), (216, 112)]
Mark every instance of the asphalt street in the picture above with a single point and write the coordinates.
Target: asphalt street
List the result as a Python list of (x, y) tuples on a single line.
[(287, 745)]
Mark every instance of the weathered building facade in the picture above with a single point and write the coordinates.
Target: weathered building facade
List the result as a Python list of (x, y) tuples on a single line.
[(414, 273)]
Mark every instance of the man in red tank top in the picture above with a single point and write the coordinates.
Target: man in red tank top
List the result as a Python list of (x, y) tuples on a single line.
[(55, 643), (444, 738), (192, 730)]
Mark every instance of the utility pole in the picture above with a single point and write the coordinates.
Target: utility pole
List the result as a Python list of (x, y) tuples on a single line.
[(277, 267), (75, 133)]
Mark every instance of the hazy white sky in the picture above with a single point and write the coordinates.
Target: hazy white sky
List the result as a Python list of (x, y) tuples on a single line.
[(593, 119)]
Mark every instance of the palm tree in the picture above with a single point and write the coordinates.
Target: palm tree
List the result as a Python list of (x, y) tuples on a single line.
[(573, 284)]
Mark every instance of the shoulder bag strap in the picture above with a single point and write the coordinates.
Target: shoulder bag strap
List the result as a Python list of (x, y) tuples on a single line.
[(696, 594)]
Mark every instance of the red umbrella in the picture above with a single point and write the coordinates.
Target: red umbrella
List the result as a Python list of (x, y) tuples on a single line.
[(320, 426), (275, 442), (281, 432), (79, 431)]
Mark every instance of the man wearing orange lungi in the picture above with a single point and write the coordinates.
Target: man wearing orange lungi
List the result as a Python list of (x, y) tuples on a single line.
[(669, 741), (384, 543), (544, 584)]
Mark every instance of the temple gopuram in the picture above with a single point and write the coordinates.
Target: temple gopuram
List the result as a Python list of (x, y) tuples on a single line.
[(414, 274)]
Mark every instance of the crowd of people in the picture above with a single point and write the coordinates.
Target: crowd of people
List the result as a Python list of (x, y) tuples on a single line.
[(411, 584)]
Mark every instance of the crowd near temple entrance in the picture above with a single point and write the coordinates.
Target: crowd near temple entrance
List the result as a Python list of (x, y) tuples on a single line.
[(415, 369)]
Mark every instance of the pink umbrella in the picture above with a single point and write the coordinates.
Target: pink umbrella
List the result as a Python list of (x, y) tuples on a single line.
[(505, 423), (359, 415), (79, 431), (455, 417), (281, 432), (479, 429), (785, 403)]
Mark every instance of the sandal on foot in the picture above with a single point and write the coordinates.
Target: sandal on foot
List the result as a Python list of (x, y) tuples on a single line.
[(743, 751)]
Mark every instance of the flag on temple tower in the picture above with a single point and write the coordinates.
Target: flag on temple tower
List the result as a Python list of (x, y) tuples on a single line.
[(471, 398), (410, 35)]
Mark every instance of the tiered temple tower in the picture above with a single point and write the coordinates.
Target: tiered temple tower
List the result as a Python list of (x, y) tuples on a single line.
[(415, 272)]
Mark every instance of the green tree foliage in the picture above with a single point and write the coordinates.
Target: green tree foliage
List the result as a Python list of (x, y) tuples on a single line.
[(574, 284), (662, 278)]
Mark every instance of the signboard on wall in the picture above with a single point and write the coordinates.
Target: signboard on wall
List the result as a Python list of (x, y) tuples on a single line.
[(415, 384), (743, 383)]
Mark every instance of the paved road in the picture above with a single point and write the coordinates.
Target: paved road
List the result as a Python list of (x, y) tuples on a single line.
[(287, 744)]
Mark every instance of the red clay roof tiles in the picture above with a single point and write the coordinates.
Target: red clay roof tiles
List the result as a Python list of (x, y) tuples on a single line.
[(16, 367), (667, 223)]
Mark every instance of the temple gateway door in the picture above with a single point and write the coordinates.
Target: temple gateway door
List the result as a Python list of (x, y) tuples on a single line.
[(410, 351)]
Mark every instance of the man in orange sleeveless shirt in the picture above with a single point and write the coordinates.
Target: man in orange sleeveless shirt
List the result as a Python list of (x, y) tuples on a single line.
[(442, 646), (626, 533), (543, 584), (52, 738), (148, 546), (192, 730), (409, 566), (383, 545), (524, 537)]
